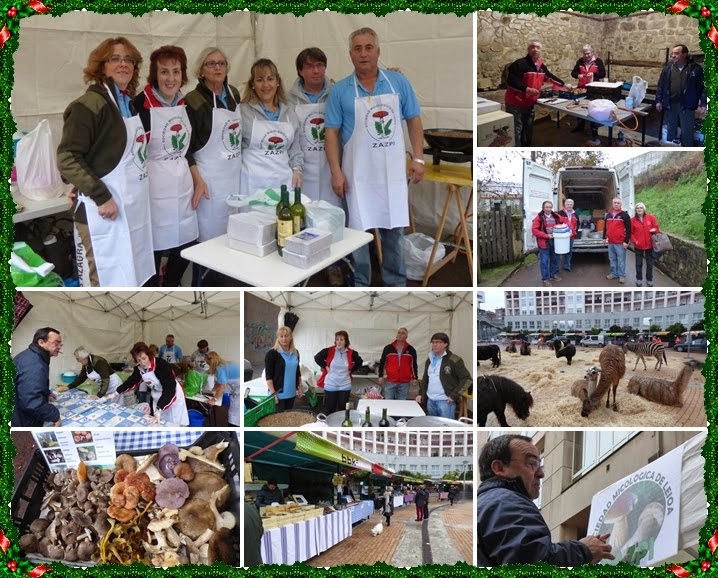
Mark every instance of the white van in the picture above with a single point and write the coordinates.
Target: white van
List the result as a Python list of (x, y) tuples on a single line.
[(592, 190), (593, 341)]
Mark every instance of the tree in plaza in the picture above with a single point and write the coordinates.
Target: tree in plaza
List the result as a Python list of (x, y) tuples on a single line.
[(653, 328), (676, 328), (700, 326), (556, 160)]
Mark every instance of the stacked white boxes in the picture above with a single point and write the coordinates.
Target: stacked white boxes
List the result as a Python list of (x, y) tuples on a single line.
[(307, 248), (254, 233)]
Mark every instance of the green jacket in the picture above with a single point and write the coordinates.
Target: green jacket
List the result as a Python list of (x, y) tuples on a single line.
[(100, 365), (93, 140), (454, 376)]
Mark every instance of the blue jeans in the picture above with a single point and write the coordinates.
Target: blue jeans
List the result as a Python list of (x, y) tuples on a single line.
[(548, 262), (617, 258), (567, 258), (396, 390), (393, 270), (523, 125), (441, 408)]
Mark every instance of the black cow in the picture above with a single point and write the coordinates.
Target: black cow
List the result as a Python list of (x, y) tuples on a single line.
[(492, 352)]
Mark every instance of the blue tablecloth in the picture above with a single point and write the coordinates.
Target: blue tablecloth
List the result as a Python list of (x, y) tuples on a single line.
[(76, 410), (363, 510), (129, 440)]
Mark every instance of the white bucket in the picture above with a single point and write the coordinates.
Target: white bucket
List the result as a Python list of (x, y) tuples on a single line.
[(562, 242)]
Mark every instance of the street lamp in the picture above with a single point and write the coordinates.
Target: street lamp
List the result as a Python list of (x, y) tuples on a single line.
[(570, 329), (465, 463), (555, 329)]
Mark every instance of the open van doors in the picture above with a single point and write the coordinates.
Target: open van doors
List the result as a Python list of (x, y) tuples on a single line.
[(537, 187)]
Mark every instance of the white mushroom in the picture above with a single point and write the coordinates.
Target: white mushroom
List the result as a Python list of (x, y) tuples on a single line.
[(618, 516), (223, 520), (146, 462), (200, 463)]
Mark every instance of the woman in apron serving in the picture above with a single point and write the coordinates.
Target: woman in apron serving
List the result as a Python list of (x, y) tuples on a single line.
[(164, 118), (271, 147), (103, 153), (97, 369), (225, 377), (167, 397), (215, 151)]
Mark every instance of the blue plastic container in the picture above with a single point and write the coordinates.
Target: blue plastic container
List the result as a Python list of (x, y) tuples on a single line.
[(227, 398), (196, 419)]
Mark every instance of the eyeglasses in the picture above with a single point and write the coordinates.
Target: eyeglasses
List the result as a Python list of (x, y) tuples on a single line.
[(532, 463), (116, 59), (215, 64), (315, 66)]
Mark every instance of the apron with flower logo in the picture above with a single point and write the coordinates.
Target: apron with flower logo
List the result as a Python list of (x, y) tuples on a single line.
[(316, 176), (265, 163), (219, 162), (122, 246), (174, 221), (374, 164), (175, 413)]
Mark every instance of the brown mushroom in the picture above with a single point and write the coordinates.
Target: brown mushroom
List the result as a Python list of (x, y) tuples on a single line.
[(201, 463), (85, 550), (39, 526), (221, 547), (212, 452), (184, 471), (205, 484), (172, 493), (195, 517), (28, 543)]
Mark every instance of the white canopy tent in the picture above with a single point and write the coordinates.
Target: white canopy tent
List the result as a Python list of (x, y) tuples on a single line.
[(110, 323), (370, 317), (433, 50)]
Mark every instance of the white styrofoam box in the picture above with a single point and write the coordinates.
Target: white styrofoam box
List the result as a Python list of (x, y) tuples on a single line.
[(308, 241), (305, 261), (485, 106), (253, 249), (495, 129), (253, 227)]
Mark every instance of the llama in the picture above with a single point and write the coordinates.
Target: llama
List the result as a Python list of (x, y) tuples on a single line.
[(511, 348), (584, 388), (613, 368), (663, 391), (564, 349), (525, 348), (656, 350)]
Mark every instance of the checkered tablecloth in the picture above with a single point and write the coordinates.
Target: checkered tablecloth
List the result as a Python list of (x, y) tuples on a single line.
[(127, 440), (76, 410)]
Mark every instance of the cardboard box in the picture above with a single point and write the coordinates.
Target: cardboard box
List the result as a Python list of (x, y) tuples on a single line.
[(485, 106), (495, 129)]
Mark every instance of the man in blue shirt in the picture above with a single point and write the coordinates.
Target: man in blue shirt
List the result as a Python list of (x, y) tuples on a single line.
[(366, 153), (171, 352)]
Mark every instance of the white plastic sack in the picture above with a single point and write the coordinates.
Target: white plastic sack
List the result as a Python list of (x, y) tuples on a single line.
[(601, 109), (326, 217), (417, 252), (638, 90), (37, 174)]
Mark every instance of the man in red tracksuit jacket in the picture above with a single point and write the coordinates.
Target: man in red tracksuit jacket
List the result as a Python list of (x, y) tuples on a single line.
[(399, 361), (617, 234)]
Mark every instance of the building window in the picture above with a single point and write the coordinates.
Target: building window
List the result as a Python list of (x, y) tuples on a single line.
[(591, 447)]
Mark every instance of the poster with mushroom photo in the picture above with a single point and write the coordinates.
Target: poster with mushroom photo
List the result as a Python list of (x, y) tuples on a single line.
[(68, 448), (641, 512)]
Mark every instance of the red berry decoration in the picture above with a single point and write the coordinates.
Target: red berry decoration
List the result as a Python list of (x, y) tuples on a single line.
[(12, 13), (705, 13), (705, 565), (12, 565)]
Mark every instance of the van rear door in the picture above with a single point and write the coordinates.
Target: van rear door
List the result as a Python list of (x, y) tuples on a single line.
[(537, 189)]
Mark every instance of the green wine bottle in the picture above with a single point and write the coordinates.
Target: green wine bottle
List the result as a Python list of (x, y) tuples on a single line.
[(367, 418), (299, 213), (383, 422), (283, 189), (284, 221), (347, 418)]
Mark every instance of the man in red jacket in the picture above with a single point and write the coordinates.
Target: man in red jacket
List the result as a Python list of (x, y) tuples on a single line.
[(617, 234), (398, 360)]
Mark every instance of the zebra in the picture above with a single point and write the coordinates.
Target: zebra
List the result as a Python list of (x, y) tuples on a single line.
[(656, 350)]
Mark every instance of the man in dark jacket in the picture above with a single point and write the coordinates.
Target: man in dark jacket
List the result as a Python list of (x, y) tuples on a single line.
[(269, 494), (421, 500), (398, 360), (252, 533), (681, 91), (32, 381), (511, 529)]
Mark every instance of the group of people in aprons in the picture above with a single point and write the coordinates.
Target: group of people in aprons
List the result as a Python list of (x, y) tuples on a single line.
[(153, 169)]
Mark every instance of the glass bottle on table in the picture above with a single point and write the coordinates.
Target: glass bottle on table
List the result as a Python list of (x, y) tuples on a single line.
[(282, 202), (299, 213), (347, 417), (383, 422), (367, 418), (284, 221)]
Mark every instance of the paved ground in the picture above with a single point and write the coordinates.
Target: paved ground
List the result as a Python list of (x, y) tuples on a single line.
[(445, 538)]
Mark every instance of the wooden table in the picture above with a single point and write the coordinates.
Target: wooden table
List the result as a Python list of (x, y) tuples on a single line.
[(454, 176)]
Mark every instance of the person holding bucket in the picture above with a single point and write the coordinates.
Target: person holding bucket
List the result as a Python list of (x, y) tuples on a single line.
[(643, 226), (526, 77), (572, 220), (542, 228)]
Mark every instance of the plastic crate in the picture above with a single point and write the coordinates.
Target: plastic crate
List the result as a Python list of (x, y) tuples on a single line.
[(27, 498), (252, 416), (570, 95)]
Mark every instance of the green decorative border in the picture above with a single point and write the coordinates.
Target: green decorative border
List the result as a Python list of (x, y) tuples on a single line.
[(9, 34)]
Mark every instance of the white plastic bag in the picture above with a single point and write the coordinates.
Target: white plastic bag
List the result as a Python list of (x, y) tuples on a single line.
[(417, 252), (327, 217), (601, 109), (37, 174), (638, 90)]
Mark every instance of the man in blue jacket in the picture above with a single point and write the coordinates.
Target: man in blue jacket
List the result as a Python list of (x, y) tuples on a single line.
[(681, 91), (32, 381), (511, 529)]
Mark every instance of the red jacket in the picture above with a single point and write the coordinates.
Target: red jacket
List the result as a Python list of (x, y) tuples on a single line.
[(618, 228), (538, 228), (572, 222), (398, 369), (640, 232), (324, 360)]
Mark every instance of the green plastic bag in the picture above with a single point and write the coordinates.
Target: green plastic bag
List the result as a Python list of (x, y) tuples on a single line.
[(28, 269), (194, 382)]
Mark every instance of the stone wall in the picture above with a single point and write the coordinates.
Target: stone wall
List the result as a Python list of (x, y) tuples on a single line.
[(686, 263), (502, 38)]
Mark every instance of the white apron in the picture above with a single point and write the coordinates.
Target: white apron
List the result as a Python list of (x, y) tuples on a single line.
[(174, 221), (374, 164), (265, 163), (236, 403), (219, 162), (316, 176), (115, 381), (176, 411), (123, 246)]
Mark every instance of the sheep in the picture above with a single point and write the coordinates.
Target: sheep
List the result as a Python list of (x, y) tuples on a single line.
[(564, 349), (511, 348), (663, 391), (525, 348), (584, 388), (613, 368)]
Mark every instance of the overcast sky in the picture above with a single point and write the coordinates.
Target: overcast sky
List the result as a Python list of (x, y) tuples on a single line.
[(494, 299)]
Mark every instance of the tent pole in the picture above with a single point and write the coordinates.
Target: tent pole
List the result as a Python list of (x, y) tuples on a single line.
[(274, 443)]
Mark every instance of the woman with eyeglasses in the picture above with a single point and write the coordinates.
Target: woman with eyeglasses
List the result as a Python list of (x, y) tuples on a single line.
[(103, 153), (162, 111), (215, 149), (271, 147)]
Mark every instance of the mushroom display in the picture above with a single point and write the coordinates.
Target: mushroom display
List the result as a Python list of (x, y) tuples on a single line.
[(618, 516)]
